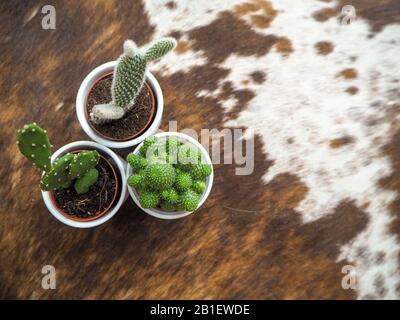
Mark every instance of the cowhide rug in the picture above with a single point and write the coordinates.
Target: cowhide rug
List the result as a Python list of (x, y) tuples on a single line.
[(323, 99)]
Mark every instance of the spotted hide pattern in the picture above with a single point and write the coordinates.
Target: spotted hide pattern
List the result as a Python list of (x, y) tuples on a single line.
[(322, 98)]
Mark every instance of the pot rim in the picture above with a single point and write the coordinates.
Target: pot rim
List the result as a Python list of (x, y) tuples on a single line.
[(84, 123), (138, 133), (120, 166), (158, 213), (53, 200)]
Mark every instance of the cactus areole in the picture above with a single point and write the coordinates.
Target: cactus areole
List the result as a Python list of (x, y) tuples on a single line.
[(83, 184), (121, 105)]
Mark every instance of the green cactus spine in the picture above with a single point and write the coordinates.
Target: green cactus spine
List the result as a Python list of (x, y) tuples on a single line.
[(83, 184), (128, 79), (34, 144)]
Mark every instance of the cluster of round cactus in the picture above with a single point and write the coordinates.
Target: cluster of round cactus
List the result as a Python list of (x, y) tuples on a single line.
[(168, 174)]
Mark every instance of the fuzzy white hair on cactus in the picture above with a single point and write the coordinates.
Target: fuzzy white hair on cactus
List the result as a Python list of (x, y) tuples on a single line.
[(128, 78)]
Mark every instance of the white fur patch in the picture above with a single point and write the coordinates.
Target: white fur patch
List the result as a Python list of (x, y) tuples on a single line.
[(303, 99)]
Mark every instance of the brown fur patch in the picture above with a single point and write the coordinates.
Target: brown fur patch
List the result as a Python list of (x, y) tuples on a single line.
[(284, 46), (324, 47), (182, 47), (223, 45), (258, 76), (340, 142), (377, 14), (352, 90), (348, 74), (325, 14)]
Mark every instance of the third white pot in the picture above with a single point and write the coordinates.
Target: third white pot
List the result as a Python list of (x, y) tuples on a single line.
[(178, 214)]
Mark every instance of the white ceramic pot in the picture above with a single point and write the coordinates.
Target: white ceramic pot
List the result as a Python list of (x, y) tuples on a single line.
[(179, 214), (120, 168), (83, 92)]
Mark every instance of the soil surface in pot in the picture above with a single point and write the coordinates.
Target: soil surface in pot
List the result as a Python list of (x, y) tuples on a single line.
[(133, 121), (95, 201)]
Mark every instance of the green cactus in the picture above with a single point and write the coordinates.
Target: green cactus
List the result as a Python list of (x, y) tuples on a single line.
[(187, 156), (167, 206), (82, 163), (137, 162), (170, 195), (34, 144), (128, 79), (136, 180), (200, 171), (57, 177), (166, 184), (183, 181), (160, 176), (83, 184), (190, 200), (149, 199), (160, 48), (54, 180), (199, 186)]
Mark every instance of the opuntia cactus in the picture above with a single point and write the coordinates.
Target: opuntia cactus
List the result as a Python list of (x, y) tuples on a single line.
[(57, 177), (83, 184), (128, 79), (34, 144), (82, 163)]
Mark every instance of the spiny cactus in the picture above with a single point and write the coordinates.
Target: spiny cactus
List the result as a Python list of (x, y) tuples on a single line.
[(34, 144), (189, 200), (183, 181), (136, 161), (170, 195), (128, 79), (149, 199), (164, 183), (199, 186), (160, 176), (83, 184)]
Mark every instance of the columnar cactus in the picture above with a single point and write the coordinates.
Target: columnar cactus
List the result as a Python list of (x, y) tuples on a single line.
[(34, 144), (169, 185), (128, 79)]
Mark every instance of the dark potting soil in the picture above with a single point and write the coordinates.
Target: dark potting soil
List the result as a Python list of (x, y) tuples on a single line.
[(133, 121), (93, 202)]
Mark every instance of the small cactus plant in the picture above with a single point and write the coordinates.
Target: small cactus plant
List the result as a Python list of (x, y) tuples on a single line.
[(78, 168), (128, 79), (168, 174)]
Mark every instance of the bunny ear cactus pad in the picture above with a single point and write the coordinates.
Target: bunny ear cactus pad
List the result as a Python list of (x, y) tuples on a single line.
[(82, 163), (160, 48), (57, 177), (34, 144), (128, 79), (83, 184)]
